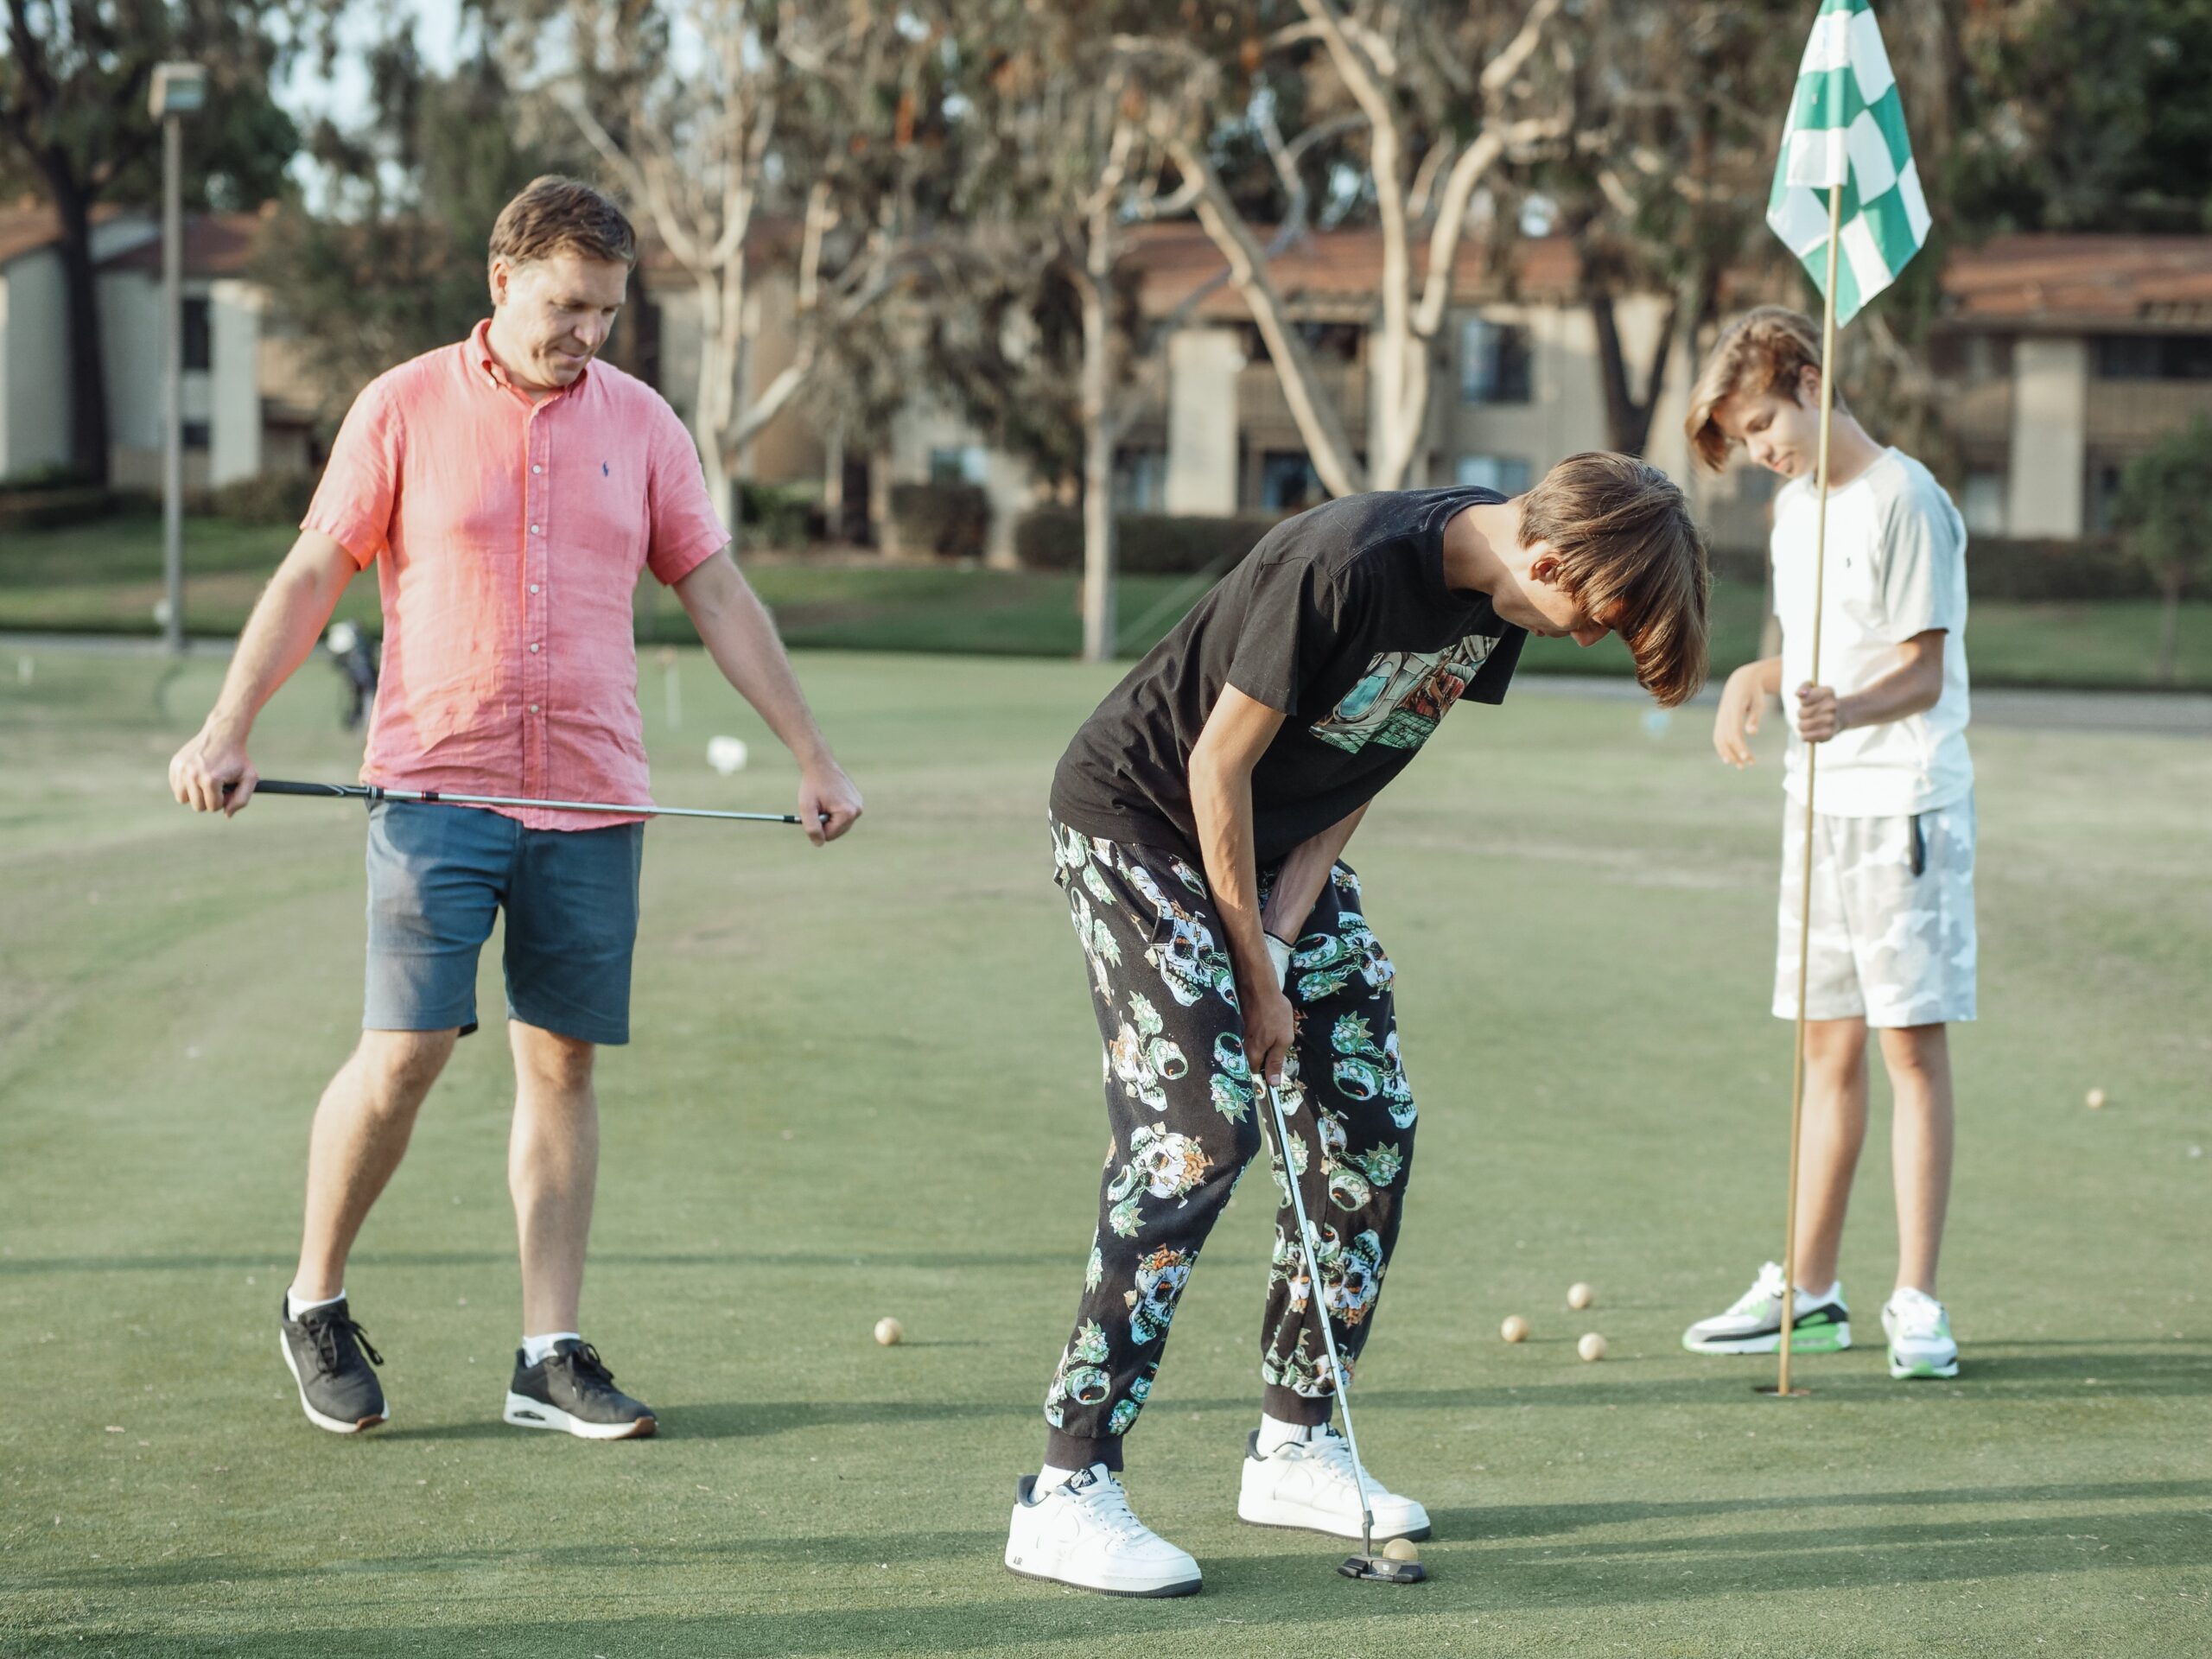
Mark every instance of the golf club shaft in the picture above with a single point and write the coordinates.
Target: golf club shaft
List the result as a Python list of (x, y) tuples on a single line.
[(373, 792), (1321, 1312)]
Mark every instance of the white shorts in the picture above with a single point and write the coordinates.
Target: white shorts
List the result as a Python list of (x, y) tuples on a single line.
[(1893, 934)]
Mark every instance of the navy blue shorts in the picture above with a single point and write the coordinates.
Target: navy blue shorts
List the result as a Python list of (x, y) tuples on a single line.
[(437, 876)]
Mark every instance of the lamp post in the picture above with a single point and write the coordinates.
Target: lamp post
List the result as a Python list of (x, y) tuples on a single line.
[(179, 90)]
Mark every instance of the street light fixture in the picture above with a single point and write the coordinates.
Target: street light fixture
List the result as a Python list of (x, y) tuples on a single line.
[(179, 90)]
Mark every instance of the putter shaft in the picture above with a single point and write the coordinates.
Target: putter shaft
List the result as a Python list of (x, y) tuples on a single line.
[(373, 792)]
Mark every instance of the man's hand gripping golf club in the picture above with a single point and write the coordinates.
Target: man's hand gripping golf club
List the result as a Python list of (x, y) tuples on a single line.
[(1367, 1564)]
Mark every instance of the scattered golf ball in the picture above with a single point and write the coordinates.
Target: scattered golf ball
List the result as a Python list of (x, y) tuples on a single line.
[(1592, 1347), (1401, 1549), (890, 1333), (726, 754), (2096, 1100), (1579, 1296), (1516, 1329)]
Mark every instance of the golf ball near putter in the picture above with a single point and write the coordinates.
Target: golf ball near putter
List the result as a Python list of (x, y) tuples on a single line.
[(2096, 1100), (726, 754), (1592, 1347), (890, 1333), (1516, 1329), (1401, 1549), (1580, 1295)]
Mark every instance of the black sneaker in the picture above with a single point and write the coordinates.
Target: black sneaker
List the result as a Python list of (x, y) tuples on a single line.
[(571, 1389), (329, 1356)]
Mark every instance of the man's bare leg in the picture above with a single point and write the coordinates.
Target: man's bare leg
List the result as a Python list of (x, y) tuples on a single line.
[(552, 1170), (1834, 1130), (361, 1129), (1919, 1061)]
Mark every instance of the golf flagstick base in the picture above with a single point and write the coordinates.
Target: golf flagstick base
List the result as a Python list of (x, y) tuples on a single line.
[(1367, 1566), (1781, 1391)]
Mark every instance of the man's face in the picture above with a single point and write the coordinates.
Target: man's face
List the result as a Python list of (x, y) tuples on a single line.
[(1779, 430), (555, 312), (1539, 603)]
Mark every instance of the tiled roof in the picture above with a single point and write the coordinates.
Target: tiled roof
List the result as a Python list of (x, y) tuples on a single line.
[(1324, 272), (215, 244), (2050, 281)]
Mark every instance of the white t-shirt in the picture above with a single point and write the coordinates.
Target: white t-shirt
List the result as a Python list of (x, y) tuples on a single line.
[(1895, 567)]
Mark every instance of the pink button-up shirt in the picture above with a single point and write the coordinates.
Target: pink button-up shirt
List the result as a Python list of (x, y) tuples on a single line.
[(512, 536)]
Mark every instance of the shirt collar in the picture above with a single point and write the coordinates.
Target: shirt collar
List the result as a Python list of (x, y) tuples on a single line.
[(478, 350)]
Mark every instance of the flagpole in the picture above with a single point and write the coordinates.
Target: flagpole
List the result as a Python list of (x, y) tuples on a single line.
[(1782, 1388)]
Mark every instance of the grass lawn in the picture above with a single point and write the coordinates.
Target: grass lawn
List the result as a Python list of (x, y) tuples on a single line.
[(106, 578), (865, 1082)]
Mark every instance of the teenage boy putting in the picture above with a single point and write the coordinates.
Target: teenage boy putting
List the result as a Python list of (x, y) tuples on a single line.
[(1892, 944), (509, 490), (1198, 819)]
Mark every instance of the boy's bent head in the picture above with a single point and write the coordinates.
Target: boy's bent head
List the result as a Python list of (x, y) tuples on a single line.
[(1761, 388), (1626, 547)]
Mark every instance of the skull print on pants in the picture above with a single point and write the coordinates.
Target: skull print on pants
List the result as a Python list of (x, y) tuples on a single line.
[(1187, 1113)]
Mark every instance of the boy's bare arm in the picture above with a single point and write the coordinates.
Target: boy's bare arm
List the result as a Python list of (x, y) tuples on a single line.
[(1911, 688), (1229, 745), (1304, 874), (1742, 701)]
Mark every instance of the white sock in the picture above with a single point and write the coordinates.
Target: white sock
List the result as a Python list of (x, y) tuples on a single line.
[(535, 1348), (1276, 1433), (295, 1305), (1812, 1300), (1049, 1476)]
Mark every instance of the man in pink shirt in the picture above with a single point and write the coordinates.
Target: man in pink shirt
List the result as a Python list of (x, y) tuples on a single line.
[(509, 490)]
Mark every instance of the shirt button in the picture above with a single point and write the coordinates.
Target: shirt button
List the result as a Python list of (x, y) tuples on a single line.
[(537, 469), (533, 648), (533, 708), (537, 529), (533, 587)]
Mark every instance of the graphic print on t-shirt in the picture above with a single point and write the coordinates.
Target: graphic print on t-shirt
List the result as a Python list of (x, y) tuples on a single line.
[(1399, 700)]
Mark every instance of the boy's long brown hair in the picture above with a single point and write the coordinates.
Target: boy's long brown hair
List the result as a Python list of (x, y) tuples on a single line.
[(1766, 349), (1631, 553)]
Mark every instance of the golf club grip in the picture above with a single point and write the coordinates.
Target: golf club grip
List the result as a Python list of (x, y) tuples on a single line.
[(285, 787)]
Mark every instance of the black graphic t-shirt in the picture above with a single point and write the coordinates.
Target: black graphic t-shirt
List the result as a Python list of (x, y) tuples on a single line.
[(1341, 617)]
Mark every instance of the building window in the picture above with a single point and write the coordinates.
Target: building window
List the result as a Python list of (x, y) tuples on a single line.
[(1981, 503), (1140, 481), (199, 341), (960, 464), (1493, 362), (1503, 473), (2101, 496), (2154, 357), (195, 435), (1289, 482)]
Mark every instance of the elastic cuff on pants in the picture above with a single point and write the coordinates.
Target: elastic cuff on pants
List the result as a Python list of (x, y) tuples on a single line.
[(1072, 1452), (1288, 1407)]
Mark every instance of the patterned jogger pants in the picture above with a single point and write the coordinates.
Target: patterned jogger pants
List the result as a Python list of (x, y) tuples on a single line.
[(1187, 1113)]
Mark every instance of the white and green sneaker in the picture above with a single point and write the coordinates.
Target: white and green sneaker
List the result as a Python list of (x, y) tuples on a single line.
[(1920, 1336), (1819, 1324)]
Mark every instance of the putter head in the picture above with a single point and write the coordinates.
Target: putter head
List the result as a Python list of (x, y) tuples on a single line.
[(1380, 1569)]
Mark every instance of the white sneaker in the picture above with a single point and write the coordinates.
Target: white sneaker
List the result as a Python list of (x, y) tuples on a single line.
[(1818, 1325), (1081, 1532), (1310, 1484), (1920, 1336)]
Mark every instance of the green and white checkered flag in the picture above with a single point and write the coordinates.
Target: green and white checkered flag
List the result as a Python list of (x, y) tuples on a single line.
[(1846, 126)]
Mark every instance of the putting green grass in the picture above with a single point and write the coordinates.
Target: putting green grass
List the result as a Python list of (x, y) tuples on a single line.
[(865, 1083)]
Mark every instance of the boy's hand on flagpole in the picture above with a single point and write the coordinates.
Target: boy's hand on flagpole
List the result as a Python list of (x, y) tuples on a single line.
[(1820, 713)]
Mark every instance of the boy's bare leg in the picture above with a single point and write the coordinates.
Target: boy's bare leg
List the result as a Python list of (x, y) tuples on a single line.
[(361, 1129), (552, 1170), (1919, 1061), (1833, 1131)]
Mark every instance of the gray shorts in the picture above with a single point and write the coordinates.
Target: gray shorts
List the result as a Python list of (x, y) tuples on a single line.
[(1893, 935), (437, 877)]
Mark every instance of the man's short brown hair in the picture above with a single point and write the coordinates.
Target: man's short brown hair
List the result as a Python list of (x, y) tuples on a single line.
[(1633, 556), (1766, 349), (556, 215)]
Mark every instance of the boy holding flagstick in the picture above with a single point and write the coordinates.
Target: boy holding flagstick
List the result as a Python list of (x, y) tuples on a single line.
[(1877, 913)]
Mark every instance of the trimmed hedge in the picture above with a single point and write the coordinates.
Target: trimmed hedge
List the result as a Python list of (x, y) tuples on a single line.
[(951, 520), (56, 508), (1999, 567), (776, 516), (1150, 544), (264, 499)]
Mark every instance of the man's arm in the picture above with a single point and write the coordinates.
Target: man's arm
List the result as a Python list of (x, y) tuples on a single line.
[(1742, 700), (1304, 874), (1912, 687), (739, 636), (287, 620), (1235, 734)]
